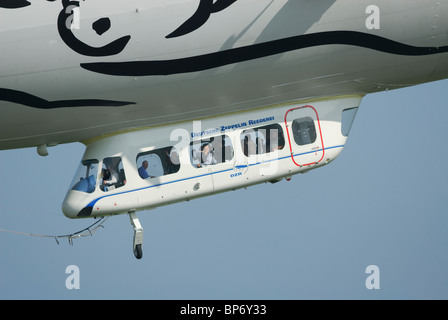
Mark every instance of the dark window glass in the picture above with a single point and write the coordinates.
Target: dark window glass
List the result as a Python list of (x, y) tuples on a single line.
[(156, 163), (304, 131), (262, 140)]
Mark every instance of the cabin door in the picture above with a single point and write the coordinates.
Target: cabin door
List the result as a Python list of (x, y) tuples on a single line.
[(304, 136)]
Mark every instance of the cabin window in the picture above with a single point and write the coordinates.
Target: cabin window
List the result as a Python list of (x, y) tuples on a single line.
[(262, 140), (304, 131), (157, 163), (85, 176), (112, 174), (211, 151)]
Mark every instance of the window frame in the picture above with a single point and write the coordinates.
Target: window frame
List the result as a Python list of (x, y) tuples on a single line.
[(164, 154)]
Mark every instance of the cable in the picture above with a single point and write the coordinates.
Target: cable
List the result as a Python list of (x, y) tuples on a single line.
[(89, 231)]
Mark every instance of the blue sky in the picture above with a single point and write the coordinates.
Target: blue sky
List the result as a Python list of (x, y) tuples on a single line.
[(382, 202)]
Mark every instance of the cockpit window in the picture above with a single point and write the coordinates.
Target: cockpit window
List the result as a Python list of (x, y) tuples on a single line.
[(85, 177), (112, 174)]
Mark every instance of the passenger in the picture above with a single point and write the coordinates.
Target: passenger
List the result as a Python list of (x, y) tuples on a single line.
[(142, 170), (206, 155)]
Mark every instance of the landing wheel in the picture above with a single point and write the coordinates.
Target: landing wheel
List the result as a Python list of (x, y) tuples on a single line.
[(138, 235), (138, 252)]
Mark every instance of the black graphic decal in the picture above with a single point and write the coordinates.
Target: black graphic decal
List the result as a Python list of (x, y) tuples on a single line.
[(200, 17), (256, 51), (65, 19), (29, 100), (101, 26), (13, 4), (80, 47)]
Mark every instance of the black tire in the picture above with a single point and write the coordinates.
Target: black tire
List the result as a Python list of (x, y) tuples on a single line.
[(138, 252)]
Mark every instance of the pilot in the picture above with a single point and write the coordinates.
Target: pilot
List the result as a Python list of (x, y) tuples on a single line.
[(110, 178), (142, 170)]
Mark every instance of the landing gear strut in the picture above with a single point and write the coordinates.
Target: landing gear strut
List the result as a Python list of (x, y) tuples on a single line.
[(138, 235)]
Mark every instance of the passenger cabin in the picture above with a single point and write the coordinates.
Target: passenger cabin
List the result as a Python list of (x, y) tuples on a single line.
[(151, 167)]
